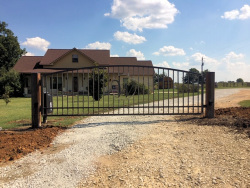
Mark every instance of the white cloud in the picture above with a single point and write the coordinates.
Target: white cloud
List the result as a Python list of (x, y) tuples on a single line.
[(231, 15), (229, 68), (99, 45), (134, 53), (180, 65), (115, 55), (170, 51), (233, 70), (233, 55), (243, 14), (197, 57), (137, 15), (163, 64), (195, 61), (37, 43), (233, 60), (29, 54), (129, 38)]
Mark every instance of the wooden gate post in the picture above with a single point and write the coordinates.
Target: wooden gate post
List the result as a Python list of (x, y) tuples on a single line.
[(210, 82), (36, 99)]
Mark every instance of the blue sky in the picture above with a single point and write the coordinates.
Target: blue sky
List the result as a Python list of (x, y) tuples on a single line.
[(171, 33)]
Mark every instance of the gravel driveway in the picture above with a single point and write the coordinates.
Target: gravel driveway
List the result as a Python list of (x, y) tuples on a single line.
[(73, 153)]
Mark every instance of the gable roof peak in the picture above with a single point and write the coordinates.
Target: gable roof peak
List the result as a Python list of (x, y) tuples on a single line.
[(102, 57)]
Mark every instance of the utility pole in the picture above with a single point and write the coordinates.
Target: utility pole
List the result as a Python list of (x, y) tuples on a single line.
[(202, 64)]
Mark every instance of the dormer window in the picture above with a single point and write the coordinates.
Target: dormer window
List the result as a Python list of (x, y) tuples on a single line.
[(75, 58)]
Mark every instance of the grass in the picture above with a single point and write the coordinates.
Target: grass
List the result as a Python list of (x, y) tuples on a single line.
[(245, 103), (86, 105), (18, 112), (165, 90)]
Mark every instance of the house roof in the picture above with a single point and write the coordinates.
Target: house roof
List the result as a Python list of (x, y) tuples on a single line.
[(53, 55), (30, 64), (33, 64), (26, 64), (131, 70), (102, 57)]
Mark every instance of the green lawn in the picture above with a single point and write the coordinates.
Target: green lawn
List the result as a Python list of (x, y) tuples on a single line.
[(86, 105), (245, 103), (165, 90), (18, 112)]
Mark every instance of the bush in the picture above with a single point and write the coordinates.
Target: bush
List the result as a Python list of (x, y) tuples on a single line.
[(185, 88), (6, 97), (97, 77), (134, 88)]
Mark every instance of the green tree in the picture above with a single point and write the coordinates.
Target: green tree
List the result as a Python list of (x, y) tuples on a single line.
[(9, 82), (159, 77), (97, 82), (239, 80), (192, 76), (10, 52), (204, 76)]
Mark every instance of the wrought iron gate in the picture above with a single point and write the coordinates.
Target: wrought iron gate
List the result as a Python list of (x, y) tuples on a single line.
[(121, 90)]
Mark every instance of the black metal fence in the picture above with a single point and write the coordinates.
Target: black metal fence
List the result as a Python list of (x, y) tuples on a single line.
[(121, 90)]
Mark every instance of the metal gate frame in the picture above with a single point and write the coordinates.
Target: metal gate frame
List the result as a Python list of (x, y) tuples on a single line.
[(66, 102)]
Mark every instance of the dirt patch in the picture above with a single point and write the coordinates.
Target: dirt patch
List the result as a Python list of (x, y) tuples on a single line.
[(236, 118), (233, 100), (17, 143)]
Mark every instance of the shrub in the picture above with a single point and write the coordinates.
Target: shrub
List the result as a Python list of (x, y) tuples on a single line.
[(6, 98), (134, 88), (185, 88), (97, 77)]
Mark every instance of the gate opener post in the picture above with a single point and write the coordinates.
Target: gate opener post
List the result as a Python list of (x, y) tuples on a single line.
[(36, 99), (210, 82)]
